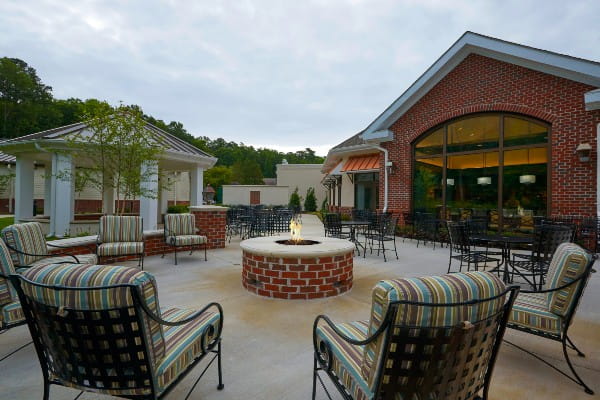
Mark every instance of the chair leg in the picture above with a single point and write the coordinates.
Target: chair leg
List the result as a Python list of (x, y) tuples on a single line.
[(221, 385), (205, 246), (572, 345), (175, 255), (46, 389), (577, 378), (395, 249), (142, 261), (314, 387)]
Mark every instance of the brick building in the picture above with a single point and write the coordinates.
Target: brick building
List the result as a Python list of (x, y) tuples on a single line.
[(490, 127)]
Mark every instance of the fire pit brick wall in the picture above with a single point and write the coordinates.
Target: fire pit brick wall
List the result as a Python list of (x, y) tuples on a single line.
[(297, 277)]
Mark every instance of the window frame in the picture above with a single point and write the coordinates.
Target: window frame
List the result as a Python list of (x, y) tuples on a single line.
[(500, 149)]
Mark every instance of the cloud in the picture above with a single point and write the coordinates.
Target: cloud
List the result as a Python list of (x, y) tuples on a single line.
[(288, 74)]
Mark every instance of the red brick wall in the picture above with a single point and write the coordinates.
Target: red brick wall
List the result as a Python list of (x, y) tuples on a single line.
[(297, 278), (481, 84), (212, 223)]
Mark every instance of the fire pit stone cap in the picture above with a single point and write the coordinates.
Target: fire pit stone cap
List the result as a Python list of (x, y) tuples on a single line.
[(267, 246)]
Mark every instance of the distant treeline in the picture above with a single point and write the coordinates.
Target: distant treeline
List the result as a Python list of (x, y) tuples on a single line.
[(28, 106)]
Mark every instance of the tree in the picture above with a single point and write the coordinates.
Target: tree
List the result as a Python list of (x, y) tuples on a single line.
[(310, 203), (218, 176), (295, 200), (25, 102), (120, 153), (247, 172)]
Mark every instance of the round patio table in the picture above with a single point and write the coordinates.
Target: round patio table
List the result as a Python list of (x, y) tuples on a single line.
[(506, 244), (354, 224)]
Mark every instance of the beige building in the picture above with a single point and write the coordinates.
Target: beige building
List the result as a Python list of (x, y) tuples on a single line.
[(289, 177)]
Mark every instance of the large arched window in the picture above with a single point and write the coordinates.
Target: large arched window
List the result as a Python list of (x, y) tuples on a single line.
[(483, 163)]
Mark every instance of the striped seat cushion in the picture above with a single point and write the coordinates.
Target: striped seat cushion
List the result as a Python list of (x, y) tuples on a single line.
[(117, 228), (180, 224), (568, 263), (28, 238), (120, 249), (10, 308), (11, 314), (183, 343), (531, 310), (82, 258), (83, 275), (452, 288), (186, 240), (347, 358)]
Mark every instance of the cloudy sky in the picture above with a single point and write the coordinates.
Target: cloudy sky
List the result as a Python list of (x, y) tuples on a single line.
[(278, 74)]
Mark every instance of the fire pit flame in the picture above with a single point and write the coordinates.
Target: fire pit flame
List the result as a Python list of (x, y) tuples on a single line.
[(295, 230)]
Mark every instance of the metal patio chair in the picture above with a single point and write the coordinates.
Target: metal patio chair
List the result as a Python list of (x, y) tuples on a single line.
[(100, 329), (463, 250), (121, 236), (180, 231), (428, 338), (548, 313)]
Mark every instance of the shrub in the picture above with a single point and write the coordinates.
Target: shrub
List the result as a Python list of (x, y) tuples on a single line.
[(294, 203), (178, 209), (310, 203)]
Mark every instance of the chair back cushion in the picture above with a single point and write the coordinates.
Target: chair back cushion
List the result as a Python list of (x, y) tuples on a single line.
[(569, 262), (27, 237), (7, 292), (452, 288), (117, 228), (180, 224), (87, 276)]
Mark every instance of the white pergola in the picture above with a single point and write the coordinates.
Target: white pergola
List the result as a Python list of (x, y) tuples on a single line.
[(49, 148)]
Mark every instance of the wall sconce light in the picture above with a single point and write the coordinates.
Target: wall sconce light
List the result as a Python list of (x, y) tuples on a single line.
[(450, 182), (390, 167), (584, 151), (484, 180), (527, 179)]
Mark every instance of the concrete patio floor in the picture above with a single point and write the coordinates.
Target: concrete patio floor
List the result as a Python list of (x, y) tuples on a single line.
[(267, 343)]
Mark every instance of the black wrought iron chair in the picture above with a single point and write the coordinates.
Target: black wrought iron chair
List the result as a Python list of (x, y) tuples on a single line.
[(426, 228), (180, 231), (428, 338), (28, 247), (333, 226), (100, 329), (533, 266), (384, 231), (462, 249), (548, 313), (11, 313)]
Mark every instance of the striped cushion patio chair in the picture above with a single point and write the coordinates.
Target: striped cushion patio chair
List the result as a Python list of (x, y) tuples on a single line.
[(428, 338), (28, 247), (121, 236), (181, 231), (11, 313), (99, 328), (549, 312)]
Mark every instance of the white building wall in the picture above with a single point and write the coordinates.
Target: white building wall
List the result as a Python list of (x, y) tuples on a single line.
[(302, 176), (269, 195)]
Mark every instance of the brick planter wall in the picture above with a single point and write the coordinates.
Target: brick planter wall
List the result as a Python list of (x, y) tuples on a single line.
[(211, 221), (297, 277), (482, 84)]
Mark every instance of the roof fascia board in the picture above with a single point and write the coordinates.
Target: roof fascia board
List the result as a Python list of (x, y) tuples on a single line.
[(551, 63)]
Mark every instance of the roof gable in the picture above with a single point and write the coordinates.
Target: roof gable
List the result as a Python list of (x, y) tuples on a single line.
[(564, 66)]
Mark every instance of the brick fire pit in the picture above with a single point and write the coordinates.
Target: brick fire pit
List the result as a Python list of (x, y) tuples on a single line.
[(294, 272)]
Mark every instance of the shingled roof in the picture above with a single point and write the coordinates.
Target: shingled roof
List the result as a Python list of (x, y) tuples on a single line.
[(173, 143)]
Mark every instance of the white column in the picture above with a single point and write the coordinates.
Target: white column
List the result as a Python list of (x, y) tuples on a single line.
[(163, 201), (149, 202), (597, 170), (108, 196), (47, 189), (62, 190), (23, 188), (196, 185)]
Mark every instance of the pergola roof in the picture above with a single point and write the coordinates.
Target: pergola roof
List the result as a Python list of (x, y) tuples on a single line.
[(176, 148)]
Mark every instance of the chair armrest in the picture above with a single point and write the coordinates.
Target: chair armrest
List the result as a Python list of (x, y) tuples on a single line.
[(344, 336), (41, 255), (556, 289)]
